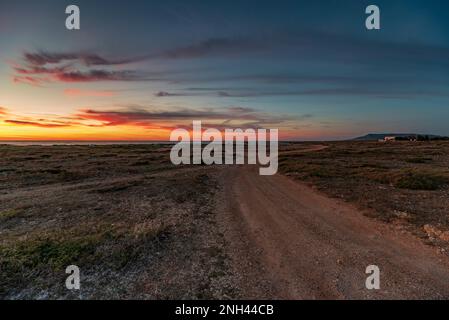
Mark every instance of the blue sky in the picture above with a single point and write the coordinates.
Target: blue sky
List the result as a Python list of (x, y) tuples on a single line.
[(308, 67)]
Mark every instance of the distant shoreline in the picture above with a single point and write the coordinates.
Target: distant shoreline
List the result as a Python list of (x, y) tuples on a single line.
[(100, 143), (74, 142)]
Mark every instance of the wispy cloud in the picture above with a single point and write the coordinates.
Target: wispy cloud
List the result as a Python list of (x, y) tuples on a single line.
[(138, 114), (312, 44), (97, 75), (38, 70), (162, 94), (355, 90), (89, 93), (31, 80), (42, 58), (44, 67), (36, 124), (214, 46), (217, 117), (149, 118)]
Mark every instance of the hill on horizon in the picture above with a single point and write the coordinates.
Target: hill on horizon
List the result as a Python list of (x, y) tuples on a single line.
[(378, 136)]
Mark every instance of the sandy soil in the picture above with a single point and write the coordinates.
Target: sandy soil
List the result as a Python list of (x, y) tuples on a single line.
[(314, 247)]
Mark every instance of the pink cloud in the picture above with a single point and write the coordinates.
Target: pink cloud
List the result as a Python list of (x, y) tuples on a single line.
[(40, 67), (36, 124), (95, 75), (89, 93), (34, 81)]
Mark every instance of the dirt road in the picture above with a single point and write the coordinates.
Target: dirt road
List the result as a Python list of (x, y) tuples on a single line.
[(304, 245)]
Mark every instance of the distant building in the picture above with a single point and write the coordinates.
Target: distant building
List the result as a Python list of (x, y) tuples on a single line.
[(399, 138)]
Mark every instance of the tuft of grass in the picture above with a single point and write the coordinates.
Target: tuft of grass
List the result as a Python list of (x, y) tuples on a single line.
[(116, 247), (136, 244), (141, 163), (418, 160), (8, 214), (420, 181), (379, 177), (22, 261), (119, 186), (37, 253), (320, 173)]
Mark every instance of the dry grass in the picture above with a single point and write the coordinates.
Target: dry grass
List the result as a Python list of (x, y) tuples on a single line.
[(136, 225), (402, 180)]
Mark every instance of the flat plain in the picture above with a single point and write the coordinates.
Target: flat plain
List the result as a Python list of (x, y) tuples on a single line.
[(140, 227)]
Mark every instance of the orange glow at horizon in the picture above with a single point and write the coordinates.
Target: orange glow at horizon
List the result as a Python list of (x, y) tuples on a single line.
[(11, 132)]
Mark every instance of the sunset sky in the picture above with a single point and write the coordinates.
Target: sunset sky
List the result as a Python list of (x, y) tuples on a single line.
[(138, 69)]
